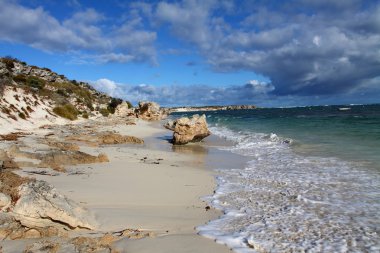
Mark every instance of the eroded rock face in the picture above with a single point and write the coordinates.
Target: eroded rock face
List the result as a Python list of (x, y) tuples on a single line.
[(150, 111), (188, 129), (41, 205)]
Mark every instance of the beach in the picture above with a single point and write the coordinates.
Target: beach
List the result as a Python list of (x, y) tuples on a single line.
[(147, 186)]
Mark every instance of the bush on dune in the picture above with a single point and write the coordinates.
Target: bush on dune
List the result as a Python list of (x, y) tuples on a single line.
[(67, 111)]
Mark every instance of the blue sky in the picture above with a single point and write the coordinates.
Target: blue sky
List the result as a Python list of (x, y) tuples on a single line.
[(199, 52)]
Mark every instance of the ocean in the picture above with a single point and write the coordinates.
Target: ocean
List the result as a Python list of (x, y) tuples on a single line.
[(311, 183)]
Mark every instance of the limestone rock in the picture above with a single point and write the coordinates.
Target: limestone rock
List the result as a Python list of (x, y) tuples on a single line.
[(5, 201), (123, 110), (189, 129), (62, 145), (150, 111), (57, 159), (112, 138), (41, 205)]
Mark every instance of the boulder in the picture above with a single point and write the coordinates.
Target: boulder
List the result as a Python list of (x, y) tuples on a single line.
[(41, 205), (150, 111), (188, 129), (123, 110)]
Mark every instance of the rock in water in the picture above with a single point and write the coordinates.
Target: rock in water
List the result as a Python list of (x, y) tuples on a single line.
[(150, 111), (40, 205), (189, 129)]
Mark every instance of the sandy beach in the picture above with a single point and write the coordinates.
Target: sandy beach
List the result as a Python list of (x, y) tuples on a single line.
[(149, 187)]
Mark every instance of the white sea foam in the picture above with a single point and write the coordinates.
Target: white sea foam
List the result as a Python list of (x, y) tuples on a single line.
[(285, 202)]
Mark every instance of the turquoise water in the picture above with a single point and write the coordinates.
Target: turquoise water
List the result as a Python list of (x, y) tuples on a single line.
[(312, 183), (319, 130)]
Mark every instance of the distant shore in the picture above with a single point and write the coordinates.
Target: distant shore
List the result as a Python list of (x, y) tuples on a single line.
[(210, 108)]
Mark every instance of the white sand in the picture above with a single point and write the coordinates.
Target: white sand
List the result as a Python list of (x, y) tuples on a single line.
[(130, 193)]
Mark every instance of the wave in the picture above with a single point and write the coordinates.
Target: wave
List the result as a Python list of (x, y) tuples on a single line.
[(285, 202)]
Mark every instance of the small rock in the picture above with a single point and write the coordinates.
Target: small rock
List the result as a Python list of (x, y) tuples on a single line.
[(32, 233)]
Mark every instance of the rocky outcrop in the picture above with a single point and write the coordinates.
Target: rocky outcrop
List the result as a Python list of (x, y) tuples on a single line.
[(67, 146), (124, 110), (41, 205), (150, 111), (104, 138), (44, 74), (188, 129), (57, 159), (112, 138)]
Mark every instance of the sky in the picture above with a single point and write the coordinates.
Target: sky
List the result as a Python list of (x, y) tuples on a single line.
[(204, 52)]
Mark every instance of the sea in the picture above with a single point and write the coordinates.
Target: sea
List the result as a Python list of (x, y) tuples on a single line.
[(311, 182)]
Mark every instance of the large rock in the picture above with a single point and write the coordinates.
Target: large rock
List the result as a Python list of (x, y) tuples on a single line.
[(188, 129), (41, 205), (123, 110), (150, 111)]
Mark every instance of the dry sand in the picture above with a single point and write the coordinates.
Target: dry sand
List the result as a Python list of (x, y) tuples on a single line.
[(147, 187)]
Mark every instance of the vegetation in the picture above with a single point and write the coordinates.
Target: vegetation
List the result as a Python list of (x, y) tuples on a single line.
[(85, 115), (129, 104), (67, 95), (113, 104), (3, 83), (104, 112), (67, 111)]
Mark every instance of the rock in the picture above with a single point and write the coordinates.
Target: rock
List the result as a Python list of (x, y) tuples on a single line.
[(123, 110), (150, 111), (44, 247), (9, 184), (6, 162), (57, 159), (41, 205), (5, 201), (32, 233), (189, 129), (170, 125), (62, 145), (3, 69), (112, 138)]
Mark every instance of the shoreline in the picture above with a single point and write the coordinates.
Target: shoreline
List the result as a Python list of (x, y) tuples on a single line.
[(152, 187)]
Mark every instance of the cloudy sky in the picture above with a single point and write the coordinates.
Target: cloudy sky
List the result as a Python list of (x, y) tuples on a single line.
[(199, 52)]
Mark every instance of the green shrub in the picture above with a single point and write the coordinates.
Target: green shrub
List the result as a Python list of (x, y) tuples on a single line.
[(67, 111), (113, 104), (9, 62), (129, 104), (19, 78), (104, 112), (35, 82), (85, 115), (62, 93)]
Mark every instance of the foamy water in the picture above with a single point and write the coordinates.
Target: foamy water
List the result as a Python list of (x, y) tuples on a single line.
[(286, 202)]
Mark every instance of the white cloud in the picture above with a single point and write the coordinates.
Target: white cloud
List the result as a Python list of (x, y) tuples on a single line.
[(171, 95), (82, 33), (107, 86)]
